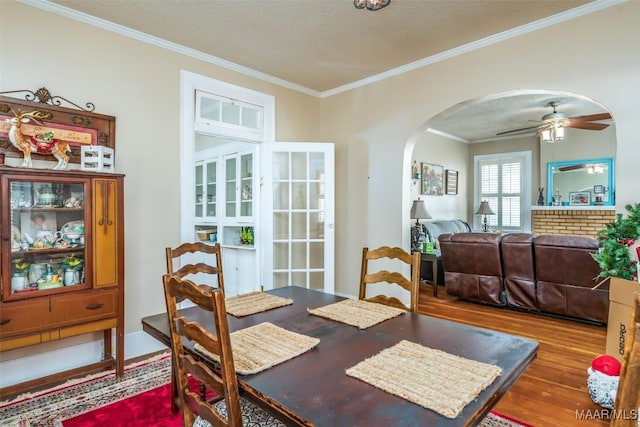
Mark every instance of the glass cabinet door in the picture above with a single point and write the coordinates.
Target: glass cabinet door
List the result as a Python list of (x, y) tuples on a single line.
[(199, 191), (47, 243), (206, 190), (212, 188), (230, 187), (246, 182)]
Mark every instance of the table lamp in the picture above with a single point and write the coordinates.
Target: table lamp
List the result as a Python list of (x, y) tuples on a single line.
[(485, 210), (418, 212)]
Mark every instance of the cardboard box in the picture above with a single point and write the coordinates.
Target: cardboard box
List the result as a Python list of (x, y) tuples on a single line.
[(621, 294)]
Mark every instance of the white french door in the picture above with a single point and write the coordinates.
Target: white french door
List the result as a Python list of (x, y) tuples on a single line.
[(298, 215)]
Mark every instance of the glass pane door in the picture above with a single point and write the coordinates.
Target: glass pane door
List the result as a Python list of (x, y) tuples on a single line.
[(47, 243), (302, 226)]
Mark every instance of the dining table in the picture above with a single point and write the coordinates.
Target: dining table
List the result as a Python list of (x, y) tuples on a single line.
[(313, 389)]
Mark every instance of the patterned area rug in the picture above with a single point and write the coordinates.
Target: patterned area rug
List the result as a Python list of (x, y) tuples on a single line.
[(99, 400)]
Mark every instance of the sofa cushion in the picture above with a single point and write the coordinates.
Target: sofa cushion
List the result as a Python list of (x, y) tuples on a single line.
[(518, 268), (473, 266), (566, 274), (434, 229)]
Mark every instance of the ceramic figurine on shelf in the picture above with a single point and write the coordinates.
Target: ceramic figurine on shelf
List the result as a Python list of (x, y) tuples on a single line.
[(540, 196), (41, 143)]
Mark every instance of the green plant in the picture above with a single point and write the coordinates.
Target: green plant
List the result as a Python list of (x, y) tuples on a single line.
[(614, 255), (72, 263), (19, 265)]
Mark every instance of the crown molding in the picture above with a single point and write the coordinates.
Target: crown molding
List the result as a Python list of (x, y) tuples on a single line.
[(479, 44), (156, 41), (592, 7)]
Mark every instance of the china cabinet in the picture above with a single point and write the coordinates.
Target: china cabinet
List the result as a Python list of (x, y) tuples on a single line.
[(62, 271)]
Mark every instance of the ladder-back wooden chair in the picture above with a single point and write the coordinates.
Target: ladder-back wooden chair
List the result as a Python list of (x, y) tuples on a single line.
[(628, 395), (226, 408), (369, 280), (188, 261)]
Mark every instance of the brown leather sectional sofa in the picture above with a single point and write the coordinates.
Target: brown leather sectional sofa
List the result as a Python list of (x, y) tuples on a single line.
[(550, 274)]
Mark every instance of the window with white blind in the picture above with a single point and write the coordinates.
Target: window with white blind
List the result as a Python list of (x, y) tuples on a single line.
[(504, 180)]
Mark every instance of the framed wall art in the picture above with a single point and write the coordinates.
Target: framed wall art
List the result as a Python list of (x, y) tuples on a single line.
[(451, 182), (579, 198), (45, 122), (432, 179)]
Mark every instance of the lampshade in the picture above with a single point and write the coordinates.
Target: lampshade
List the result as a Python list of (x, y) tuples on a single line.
[(484, 209), (418, 211)]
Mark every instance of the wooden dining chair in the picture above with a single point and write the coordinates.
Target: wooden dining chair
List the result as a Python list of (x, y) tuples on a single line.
[(628, 394), (195, 261), (226, 407), (369, 280)]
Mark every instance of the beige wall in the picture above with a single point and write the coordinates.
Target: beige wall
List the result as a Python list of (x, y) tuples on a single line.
[(139, 84), (374, 127), (450, 154), (600, 63)]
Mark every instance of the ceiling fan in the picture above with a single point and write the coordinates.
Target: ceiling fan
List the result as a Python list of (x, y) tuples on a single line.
[(557, 120)]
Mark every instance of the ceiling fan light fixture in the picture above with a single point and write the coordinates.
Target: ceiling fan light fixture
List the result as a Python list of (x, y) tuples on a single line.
[(552, 134), (371, 4)]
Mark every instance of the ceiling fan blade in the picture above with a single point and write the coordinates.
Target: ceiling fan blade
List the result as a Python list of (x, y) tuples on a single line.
[(516, 130), (572, 167), (587, 125), (593, 117)]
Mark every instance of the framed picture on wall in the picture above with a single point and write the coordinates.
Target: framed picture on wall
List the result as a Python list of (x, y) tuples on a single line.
[(579, 198), (451, 182), (432, 179)]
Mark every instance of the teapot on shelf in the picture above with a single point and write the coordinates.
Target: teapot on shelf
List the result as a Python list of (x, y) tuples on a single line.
[(43, 238), (45, 196)]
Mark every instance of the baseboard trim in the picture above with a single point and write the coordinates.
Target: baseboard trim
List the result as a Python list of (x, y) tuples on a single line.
[(46, 363)]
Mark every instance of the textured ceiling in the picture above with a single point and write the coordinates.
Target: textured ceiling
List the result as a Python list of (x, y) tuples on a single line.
[(322, 45)]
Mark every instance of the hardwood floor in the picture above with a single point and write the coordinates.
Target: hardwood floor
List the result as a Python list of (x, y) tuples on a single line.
[(553, 390)]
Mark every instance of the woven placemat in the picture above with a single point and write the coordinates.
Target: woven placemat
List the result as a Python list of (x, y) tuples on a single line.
[(434, 379), (254, 302), (262, 346), (358, 313)]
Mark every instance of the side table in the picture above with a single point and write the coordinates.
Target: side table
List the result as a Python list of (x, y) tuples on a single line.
[(433, 259)]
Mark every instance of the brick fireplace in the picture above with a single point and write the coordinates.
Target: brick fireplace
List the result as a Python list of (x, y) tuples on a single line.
[(574, 220)]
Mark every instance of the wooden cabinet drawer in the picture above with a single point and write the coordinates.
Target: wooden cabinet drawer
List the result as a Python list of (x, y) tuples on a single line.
[(87, 306), (22, 317)]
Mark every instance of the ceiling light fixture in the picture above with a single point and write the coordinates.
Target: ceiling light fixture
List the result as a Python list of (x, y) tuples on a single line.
[(554, 125), (552, 134), (371, 4)]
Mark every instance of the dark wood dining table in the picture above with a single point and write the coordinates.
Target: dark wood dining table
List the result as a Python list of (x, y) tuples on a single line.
[(313, 389)]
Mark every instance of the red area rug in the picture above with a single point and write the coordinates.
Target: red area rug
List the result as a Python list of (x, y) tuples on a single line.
[(141, 398)]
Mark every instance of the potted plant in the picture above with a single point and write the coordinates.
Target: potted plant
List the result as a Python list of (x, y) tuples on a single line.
[(618, 263), (19, 269), (615, 256), (72, 266)]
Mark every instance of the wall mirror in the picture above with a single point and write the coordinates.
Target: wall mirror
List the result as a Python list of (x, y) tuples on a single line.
[(586, 182)]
